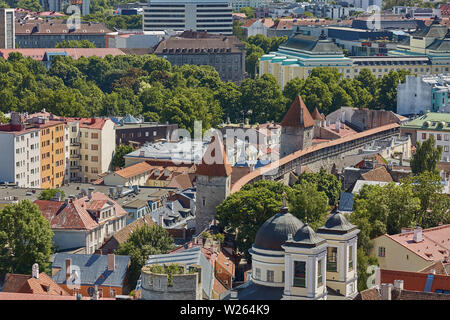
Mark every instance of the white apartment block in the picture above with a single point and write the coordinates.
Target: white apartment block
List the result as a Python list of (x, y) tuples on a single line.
[(20, 157), (441, 138), (212, 16)]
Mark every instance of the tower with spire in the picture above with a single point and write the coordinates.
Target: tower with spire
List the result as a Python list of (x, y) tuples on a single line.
[(213, 183), (297, 128)]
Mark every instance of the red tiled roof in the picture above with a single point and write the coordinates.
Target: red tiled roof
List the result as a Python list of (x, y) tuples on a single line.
[(298, 115), (316, 115), (214, 165), (434, 247), (75, 215), (415, 281), (260, 171), (218, 287), (181, 181), (377, 174), (75, 53), (134, 170), (20, 283)]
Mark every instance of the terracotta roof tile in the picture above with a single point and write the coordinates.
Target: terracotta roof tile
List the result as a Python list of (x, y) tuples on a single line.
[(368, 294), (415, 281), (19, 283), (316, 115), (298, 115), (261, 171), (377, 174), (134, 170), (214, 165)]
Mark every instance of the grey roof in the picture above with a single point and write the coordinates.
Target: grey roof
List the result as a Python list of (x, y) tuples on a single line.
[(274, 232), (135, 204), (312, 44), (337, 224), (93, 269), (253, 291), (440, 45), (346, 202), (305, 237), (189, 256), (432, 31)]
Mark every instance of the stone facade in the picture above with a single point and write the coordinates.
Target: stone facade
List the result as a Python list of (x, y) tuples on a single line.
[(294, 139), (184, 286), (211, 191)]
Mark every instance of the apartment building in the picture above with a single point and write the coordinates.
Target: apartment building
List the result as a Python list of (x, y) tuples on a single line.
[(20, 156), (46, 34), (213, 16), (92, 145), (52, 142), (7, 38)]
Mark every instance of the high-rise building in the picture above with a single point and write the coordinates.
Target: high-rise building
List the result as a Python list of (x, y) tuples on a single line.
[(7, 39), (213, 16)]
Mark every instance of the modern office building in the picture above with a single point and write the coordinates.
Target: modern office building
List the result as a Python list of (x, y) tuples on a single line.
[(7, 32), (213, 16)]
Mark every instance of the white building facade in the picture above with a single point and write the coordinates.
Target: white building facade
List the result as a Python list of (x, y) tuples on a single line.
[(212, 16)]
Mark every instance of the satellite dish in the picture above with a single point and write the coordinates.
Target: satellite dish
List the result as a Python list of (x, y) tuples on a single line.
[(91, 291)]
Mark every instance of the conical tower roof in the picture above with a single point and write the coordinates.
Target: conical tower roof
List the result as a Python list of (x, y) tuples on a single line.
[(298, 115), (316, 115), (214, 161)]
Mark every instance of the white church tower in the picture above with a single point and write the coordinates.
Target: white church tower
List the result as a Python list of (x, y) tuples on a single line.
[(341, 237), (305, 258)]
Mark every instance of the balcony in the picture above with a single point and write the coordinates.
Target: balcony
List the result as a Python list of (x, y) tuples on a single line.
[(75, 156), (75, 143), (76, 167)]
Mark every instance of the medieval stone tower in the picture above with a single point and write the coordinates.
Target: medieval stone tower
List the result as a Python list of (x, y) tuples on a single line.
[(213, 184), (297, 128)]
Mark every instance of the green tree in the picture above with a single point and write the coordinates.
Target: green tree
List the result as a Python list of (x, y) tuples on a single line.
[(308, 204), (426, 157), (263, 99), (144, 241), (388, 89), (325, 182), (244, 212), (25, 239), (249, 12), (48, 194), (75, 44), (121, 150), (3, 118)]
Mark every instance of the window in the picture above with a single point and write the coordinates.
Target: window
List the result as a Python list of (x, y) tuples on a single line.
[(300, 274), (446, 137), (94, 135), (257, 273), (113, 292), (94, 146), (445, 148), (381, 251), (332, 259), (94, 158), (439, 137), (270, 276), (350, 258), (282, 276), (424, 136), (319, 273)]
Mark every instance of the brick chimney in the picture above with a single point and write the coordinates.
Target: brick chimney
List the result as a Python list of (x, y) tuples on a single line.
[(111, 262), (68, 267), (35, 271)]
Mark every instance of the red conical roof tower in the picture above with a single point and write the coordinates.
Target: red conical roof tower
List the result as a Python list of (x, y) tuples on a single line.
[(298, 115), (214, 165)]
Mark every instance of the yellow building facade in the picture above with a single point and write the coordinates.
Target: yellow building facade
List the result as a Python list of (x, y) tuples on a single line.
[(52, 136)]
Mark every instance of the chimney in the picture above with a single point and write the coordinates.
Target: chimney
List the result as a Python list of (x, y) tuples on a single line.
[(111, 262), (433, 271), (35, 271), (337, 126), (417, 234), (234, 295), (386, 291), (68, 267), (90, 190), (161, 219), (398, 284)]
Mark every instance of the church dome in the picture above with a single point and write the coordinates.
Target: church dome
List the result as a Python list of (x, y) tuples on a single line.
[(275, 231)]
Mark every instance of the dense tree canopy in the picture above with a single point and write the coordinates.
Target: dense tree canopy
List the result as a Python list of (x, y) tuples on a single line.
[(48, 194), (25, 239), (426, 157), (75, 44), (144, 241), (121, 150), (325, 182)]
